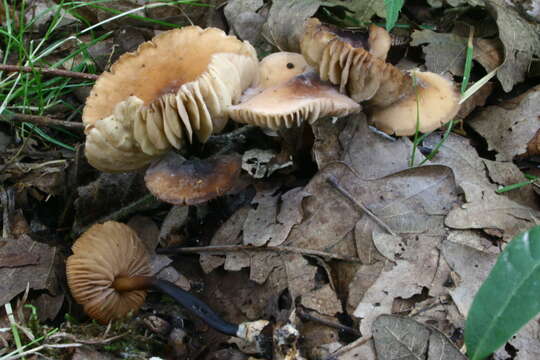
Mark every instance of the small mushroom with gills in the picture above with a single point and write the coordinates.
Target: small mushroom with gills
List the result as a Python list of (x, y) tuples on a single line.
[(188, 182), (109, 275), (288, 98), (389, 95)]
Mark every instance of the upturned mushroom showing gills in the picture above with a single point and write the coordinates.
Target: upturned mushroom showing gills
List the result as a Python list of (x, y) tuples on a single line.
[(109, 275), (171, 88), (387, 92), (289, 92)]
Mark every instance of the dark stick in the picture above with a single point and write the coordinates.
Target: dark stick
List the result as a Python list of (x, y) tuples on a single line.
[(196, 306), (42, 120), (231, 248), (48, 71)]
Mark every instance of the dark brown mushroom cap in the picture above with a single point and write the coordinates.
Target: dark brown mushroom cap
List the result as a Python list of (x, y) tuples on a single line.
[(190, 182), (302, 98), (102, 254)]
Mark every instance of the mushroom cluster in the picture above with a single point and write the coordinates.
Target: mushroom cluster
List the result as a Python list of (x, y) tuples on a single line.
[(395, 100), (188, 82)]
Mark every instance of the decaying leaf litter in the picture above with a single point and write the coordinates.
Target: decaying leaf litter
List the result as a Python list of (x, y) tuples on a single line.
[(353, 244)]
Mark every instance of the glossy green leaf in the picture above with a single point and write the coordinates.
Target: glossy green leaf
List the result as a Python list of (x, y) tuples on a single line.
[(393, 7), (509, 297)]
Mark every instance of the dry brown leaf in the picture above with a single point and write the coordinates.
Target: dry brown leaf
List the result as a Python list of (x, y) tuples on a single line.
[(472, 266), (470, 171), (509, 128), (520, 39), (40, 276), (286, 22), (322, 300), (447, 51), (403, 338), (244, 20), (420, 268), (372, 155)]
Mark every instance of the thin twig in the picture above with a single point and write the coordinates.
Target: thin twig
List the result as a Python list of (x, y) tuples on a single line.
[(95, 341), (310, 317), (49, 71), (358, 342), (345, 193), (233, 248), (42, 120)]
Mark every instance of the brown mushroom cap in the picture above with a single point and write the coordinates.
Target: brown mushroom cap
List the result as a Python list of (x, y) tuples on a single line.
[(358, 71), (190, 182), (102, 254), (280, 67), (438, 103), (178, 84), (304, 97)]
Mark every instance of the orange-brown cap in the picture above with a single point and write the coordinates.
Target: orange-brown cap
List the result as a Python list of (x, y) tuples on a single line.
[(178, 84), (434, 102), (102, 254), (302, 98), (188, 182)]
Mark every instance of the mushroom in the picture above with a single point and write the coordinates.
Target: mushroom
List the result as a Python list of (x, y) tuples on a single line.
[(434, 103), (188, 182), (178, 84), (360, 71), (109, 275), (287, 93)]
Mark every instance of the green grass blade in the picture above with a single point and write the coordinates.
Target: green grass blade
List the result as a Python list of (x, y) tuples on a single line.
[(508, 298), (393, 7)]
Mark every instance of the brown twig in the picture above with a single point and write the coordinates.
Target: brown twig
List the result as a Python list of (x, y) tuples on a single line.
[(310, 317), (233, 248), (42, 120), (345, 193), (49, 71)]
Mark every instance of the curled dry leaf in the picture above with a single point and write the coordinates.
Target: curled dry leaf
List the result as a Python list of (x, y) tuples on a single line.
[(509, 127), (520, 39)]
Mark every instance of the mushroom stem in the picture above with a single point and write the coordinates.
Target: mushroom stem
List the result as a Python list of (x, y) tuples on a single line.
[(190, 302), (196, 306), (123, 283)]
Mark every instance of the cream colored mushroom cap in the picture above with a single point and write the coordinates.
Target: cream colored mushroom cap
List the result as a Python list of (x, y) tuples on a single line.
[(438, 103), (279, 67), (184, 80), (102, 253), (303, 98)]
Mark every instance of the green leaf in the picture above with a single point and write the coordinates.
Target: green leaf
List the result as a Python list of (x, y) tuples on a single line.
[(508, 299), (393, 7)]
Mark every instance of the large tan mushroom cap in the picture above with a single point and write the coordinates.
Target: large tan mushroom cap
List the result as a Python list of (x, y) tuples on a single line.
[(438, 103), (178, 84), (358, 70), (103, 253), (302, 98)]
